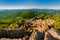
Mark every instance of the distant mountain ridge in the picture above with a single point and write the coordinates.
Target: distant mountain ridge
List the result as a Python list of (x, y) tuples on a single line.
[(5, 14), (46, 10)]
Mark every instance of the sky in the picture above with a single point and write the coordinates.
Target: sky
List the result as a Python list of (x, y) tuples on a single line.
[(28, 4)]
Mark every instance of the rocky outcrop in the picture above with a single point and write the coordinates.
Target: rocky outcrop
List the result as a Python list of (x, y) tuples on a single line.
[(35, 29), (16, 33), (54, 33), (48, 36), (36, 35), (45, 27)]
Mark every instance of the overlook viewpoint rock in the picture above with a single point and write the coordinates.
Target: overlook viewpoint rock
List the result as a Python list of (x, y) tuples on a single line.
[(37, 29)]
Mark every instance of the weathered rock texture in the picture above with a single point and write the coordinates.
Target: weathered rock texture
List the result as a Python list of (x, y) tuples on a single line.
[(35, 29), (36, 35), (16, 33)]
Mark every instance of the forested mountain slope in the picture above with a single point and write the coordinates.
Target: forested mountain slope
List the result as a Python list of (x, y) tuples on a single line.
[(11, 16)]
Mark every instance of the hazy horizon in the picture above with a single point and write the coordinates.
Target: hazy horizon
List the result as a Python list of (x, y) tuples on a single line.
[(29, 4)]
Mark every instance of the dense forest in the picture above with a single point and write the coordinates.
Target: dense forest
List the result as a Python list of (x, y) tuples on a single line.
[(12, 16)]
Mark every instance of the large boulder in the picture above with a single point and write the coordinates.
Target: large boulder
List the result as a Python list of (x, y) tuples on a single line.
[(47, 36), (54, 33), (3, 33), (16, 33), (36, 35)]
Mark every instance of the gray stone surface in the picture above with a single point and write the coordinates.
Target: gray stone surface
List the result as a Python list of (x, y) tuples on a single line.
[(16, 33), (36, 36)]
